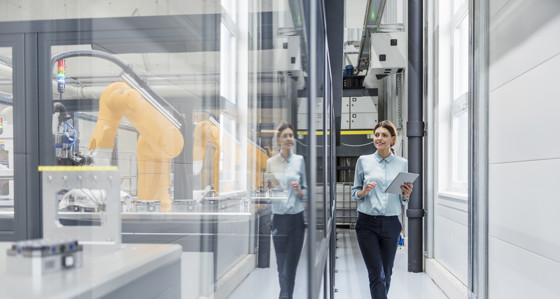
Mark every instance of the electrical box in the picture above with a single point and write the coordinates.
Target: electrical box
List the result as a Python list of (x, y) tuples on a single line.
[(364, 121), (387, 53), (359, 113), (302, 115)]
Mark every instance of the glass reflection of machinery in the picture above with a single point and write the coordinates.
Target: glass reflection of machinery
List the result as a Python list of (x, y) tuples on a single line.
[(65, 139), (155, 120), (208, 132), (66, 136), (160, 140), (6, 156)]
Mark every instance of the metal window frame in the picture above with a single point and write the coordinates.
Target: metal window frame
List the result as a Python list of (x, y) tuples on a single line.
[(27, 218), (478, 148)]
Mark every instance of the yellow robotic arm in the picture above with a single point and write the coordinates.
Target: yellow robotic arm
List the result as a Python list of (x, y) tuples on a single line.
[(159, 140), (207, 132)]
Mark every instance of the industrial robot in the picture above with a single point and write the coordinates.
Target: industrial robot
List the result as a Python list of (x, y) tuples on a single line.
[(208, 131), (160, 140)]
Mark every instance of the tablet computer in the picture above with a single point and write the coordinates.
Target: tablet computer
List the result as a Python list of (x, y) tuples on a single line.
[(401, 179)]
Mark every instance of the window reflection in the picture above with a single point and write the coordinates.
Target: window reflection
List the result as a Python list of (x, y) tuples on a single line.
[(287, 186), (6, 136), (192, 130)]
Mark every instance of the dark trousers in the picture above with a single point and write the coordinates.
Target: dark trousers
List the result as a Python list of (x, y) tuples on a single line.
[(378, 237), (287, 235)]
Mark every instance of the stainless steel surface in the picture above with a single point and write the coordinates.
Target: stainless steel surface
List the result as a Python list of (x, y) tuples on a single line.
[(430, 94), (479, 21), (105, 269), (107, 230)]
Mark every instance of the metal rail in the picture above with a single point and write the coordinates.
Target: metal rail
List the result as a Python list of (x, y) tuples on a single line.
[(131, 78)]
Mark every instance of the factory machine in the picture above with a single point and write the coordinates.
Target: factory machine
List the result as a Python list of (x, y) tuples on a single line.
[(182, 181)]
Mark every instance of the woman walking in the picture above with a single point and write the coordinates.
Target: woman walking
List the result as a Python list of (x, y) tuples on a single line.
[(378, 226)]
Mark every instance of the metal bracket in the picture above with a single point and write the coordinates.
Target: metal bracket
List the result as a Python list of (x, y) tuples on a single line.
[(415, 129), (415, 213)]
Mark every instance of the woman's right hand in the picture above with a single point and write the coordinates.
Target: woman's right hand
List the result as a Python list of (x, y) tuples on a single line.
[(367, 188)]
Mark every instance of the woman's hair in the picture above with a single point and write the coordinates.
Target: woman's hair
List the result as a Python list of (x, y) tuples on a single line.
[(283, 126), (388, 125)]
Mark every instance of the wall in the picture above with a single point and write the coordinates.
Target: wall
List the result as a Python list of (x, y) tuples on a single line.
[(524, 149)]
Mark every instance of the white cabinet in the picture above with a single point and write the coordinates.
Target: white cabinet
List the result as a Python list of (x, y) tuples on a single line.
[(303, 115), (362, 113), (363, 104), (364, 121)]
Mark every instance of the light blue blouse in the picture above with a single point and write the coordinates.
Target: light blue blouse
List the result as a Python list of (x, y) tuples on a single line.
[(382, 171), (286, 171)]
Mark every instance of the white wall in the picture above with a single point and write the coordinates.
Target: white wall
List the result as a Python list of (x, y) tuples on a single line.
[(524, 153)]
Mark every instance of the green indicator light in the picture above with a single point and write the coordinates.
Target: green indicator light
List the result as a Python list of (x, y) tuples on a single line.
[(373, 15), (299, 19)]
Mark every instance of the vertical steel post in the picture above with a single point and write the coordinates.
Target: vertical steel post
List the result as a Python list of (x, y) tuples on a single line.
[(415, 133)]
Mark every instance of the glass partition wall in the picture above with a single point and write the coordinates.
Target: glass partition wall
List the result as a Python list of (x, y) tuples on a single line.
[(6, 140), (13, 118), (186, 101)]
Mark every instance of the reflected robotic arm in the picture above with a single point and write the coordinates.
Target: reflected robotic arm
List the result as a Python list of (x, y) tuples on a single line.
[(206, 132), (159, 141)]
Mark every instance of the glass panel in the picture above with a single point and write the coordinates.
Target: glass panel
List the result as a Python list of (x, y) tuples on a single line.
[(6, 140), (460, 121), (330, 177), (457, 5), (195, 137), (460, 146), (461, 58)]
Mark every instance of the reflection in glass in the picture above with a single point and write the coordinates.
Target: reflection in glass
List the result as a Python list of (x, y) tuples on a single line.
[(81, 206), (288, 183), (6, 136), (215, 175)]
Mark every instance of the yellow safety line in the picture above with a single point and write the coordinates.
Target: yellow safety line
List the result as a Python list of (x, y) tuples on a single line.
[(362, 132), (78, 168), (316, 133)]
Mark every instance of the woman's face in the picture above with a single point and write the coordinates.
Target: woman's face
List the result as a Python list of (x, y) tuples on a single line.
[(286, 139), (382, 139)]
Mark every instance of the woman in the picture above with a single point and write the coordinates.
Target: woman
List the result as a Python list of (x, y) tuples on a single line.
[(378, 226), (290, 189)]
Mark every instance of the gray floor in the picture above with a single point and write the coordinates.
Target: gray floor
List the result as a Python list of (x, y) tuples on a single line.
[(351, 278)]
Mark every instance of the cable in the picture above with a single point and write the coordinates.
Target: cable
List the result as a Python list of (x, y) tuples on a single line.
[(356, 145), (350, 145), (65, 126), (306, 144)]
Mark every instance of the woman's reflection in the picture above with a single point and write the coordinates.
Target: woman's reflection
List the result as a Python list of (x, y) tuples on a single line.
[(287, 184)]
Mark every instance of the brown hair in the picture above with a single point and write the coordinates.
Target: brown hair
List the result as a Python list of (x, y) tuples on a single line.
[(388, 125), (283, 126)]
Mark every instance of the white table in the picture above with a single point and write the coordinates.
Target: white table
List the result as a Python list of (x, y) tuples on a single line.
[(131, 271)]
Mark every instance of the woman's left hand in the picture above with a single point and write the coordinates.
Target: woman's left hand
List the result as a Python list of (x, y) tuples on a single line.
[(406, 189)]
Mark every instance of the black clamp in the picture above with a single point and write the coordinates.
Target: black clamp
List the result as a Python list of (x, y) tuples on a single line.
[(415, 129), (415, 213)]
